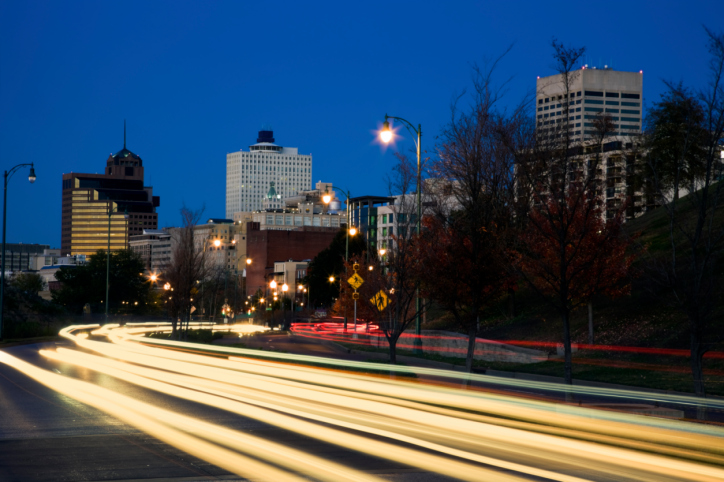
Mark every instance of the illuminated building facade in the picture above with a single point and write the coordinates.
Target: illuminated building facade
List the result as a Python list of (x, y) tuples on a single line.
[(249, 175), (89, 198)]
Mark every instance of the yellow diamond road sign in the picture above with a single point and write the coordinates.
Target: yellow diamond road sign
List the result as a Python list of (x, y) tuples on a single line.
[(380, 300), (356, 281)]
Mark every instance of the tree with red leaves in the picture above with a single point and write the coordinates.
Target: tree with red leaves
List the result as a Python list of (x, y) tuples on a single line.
[(567, 251), (570, 253), (463, 273)]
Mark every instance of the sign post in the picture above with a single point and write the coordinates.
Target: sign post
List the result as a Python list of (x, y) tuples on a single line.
[(355, 281)]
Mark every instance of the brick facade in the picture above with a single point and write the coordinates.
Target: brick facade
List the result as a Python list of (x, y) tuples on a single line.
[(267, 246)]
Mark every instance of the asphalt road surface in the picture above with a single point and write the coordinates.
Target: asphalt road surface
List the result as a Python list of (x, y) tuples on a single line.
[(98, 409)]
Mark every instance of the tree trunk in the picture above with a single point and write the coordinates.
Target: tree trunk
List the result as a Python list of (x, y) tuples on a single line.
[(472, 334), (393, 351), (511, 302), (590, 322), (697, 369), (568, 361)]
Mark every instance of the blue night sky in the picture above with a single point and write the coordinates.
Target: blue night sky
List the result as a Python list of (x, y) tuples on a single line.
[(195, 80)]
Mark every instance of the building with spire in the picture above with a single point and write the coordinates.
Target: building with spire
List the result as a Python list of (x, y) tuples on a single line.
[(266, 169), (113, 205)]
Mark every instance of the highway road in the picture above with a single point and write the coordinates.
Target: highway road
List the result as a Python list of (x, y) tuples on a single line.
[(111, 404)]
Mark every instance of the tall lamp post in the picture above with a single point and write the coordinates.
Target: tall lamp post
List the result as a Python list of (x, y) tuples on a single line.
[(285, 288), (8, 175), (386, 136), (351, 231), (108, 253)]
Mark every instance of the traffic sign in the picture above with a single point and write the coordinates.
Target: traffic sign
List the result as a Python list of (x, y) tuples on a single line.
[(380, 300), (356, 281)]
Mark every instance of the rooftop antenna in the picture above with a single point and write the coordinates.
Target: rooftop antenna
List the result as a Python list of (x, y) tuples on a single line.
[(124, 133)]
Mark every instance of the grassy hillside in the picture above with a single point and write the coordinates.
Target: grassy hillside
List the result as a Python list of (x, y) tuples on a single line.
[(644, 319)]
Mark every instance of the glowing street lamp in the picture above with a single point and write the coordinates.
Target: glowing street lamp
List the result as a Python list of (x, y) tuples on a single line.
[(386, 137), (217, 243), (273, 285), (386, 133)]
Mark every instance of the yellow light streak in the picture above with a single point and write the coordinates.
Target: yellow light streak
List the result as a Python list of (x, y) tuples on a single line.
[(464, 434)]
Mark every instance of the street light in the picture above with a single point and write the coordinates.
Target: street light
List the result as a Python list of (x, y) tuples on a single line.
[(386, 137), (8, 175), (285, 288), (108, 253), (217, 243), (351, 231)]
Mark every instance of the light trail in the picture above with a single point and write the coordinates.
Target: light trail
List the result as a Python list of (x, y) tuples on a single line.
[(465, 434), (334, 331)]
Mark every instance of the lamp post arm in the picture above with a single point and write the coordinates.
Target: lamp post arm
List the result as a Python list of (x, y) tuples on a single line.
[(9, 173), (411, 128), (346, 193)]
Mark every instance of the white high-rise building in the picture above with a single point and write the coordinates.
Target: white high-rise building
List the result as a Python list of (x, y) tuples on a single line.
[(249, 175), (592, 92)]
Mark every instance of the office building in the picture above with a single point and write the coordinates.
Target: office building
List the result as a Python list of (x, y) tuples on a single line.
[(306, 208), (115, 202), (153, 247), (290, 273), (19, 256), (48, 257), (591, 92), (268, 247), (249, 175)]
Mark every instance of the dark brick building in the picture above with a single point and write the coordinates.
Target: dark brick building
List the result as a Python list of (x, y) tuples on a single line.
[(269, 246)]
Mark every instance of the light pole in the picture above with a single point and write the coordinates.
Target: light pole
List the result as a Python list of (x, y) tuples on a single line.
[(273, 286), (351, 231), (108, 253), (8, 175), (386, 136), (285, 288)]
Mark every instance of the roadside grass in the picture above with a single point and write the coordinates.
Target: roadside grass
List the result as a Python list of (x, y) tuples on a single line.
[(193, 336), (634, 370)]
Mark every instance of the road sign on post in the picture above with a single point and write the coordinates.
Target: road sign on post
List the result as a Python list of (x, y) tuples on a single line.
[(380, 300), (356, 281)]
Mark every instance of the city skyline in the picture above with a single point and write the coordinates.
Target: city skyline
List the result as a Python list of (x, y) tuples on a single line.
[(197, 82)]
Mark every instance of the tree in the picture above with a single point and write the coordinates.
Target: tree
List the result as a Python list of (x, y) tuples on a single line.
[(129, 290), (29, 282), (397, 272), (187, 268), (691, 274), (330, 262), (676, 140), (396, 276), (465, 266), (564, 239)]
